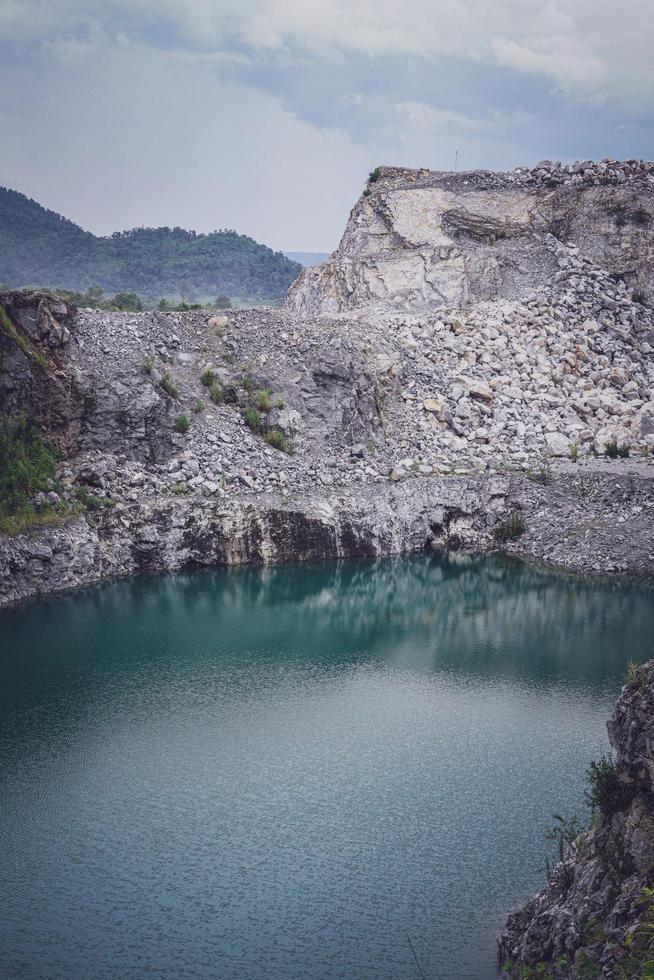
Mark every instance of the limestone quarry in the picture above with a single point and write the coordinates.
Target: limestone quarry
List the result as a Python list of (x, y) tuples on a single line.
[(456, 368)]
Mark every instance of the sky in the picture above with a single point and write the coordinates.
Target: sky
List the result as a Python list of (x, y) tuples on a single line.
[(266, 115)]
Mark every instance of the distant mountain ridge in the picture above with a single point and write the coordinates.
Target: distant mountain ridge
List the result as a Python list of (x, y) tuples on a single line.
[(43, 248)]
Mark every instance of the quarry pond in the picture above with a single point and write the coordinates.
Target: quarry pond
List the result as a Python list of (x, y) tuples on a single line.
[(330, 770)]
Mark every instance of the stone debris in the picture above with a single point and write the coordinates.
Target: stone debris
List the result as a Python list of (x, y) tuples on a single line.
[(521, 355)]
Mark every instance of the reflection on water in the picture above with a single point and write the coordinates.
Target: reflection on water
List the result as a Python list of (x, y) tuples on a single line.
[(281, 772)]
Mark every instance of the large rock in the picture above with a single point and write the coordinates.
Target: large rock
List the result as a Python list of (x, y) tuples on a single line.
[(419, 240)]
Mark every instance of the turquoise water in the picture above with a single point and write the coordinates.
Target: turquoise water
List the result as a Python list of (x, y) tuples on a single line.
[(290, 773)]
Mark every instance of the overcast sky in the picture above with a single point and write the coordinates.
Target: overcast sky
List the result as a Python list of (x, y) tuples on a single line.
[(266, 115)]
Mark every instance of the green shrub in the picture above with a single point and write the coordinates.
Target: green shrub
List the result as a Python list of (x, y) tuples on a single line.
[(247, 382), (216, 393), (374, 175), (207, 378), (574, 452), (27, 465), (264, 400), (199, 406), (606, 792), (510, 529), (168, 385), (252, 419), (276, 439), (91, 501), (613, 450), (182, 424), (148, 364)]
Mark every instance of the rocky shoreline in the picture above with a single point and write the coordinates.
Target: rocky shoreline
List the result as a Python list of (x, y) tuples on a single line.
[(587, 523), (595, 918)]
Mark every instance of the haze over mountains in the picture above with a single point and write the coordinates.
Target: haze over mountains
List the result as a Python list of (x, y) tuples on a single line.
[(44, 249)]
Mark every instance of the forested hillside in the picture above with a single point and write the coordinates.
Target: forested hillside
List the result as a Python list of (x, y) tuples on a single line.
[(42, 248)]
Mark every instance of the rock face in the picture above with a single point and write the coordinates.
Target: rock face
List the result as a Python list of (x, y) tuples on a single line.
[(595, 918), (190, 438), (419, 241)]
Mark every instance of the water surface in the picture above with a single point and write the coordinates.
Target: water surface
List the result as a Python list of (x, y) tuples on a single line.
[(289, 773)]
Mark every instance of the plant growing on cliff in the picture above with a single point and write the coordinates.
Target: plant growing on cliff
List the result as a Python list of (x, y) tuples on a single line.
[(148, 364), (252, 419), (264, 400), (27, 467), (564, 831), (216, 393), (374, 175), (91, 501), (182, 424), (606, 792), (510, 529), (276, 439), (168, 385), (207, 378)]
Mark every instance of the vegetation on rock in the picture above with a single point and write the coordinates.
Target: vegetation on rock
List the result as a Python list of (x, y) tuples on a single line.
[(27, 467)]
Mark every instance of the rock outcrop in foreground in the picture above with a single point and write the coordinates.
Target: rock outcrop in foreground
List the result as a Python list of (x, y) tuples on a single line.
[(450, 378), (595, 918)]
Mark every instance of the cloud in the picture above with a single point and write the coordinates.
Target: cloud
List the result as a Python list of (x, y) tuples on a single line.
[(582, 46), (266, 114)]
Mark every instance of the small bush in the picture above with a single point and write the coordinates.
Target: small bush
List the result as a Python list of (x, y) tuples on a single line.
[(613, 450), (247, 382), (216, 393), (252, 419), (374, 175), (276, 439), (606, 792), (264, 400), (182, 424), (510, 529), (208, 378), (279, 403), (91, 501), (199, 406), (148, 364), (168, 385), (574, 452)]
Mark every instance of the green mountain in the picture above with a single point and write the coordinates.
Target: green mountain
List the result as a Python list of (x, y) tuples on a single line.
[(42, 248)]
